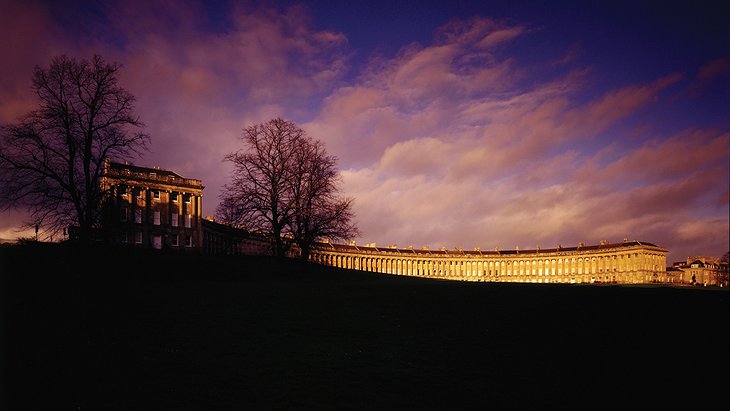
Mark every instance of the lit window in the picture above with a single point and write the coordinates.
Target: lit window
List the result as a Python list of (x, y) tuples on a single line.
[(138, 237), (174, 240), (188, 241), (156, 220), (187, 220), (173, 219), (138, 216)]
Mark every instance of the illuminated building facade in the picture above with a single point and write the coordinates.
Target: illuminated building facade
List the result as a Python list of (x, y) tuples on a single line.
[(159, 209), (628, 262), (152, 207), (703, 271)]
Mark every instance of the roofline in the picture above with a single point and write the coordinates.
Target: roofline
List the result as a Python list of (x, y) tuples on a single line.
[(115, 171), (497, 252)]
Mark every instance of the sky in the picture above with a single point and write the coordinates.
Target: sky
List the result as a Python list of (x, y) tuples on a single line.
[(483, 124)]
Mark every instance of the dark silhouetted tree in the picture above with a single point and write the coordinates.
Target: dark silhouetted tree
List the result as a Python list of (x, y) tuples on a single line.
[(52, 159), (284, 184), (318, 211)]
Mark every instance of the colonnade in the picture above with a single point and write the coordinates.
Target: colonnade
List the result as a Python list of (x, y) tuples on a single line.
[(155, 207), (617, 263)]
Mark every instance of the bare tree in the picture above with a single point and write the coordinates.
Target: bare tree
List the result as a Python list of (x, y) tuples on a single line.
[(52, 159), (318, 210), (257, 197), (284, 184)]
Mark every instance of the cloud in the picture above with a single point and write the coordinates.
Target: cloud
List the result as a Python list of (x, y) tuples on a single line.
[(501, 36), (29, 36), (409, 96), (12, 224), (569, 56), (432, 160), (714, 69), (615, 105), (197, 89), (671, 158), (708, 75), (455, 143), (522, 210)]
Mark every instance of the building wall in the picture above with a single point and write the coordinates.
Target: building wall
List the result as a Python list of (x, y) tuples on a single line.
[(153, 208), (220, 239), (621, 263), (704, 271)]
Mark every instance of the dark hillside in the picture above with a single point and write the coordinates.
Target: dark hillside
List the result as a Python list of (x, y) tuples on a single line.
[(139, 330)]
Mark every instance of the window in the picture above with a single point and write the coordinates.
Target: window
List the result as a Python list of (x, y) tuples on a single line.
[(188, 241), (174, 240), (157, 242), (156, 194), (187, 221), (156, 220), (138, 237), (124, 215), (173, 197), (187, 198), (173, 219), (123, 237), (138, 215), (123, 191), (140, 193)]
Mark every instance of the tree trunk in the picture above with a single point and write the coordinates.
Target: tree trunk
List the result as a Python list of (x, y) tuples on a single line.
[(305, 252)]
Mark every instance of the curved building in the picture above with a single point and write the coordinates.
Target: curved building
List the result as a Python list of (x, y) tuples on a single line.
[(629, 262)]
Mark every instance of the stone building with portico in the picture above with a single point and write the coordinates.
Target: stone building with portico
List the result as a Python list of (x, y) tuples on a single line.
[(152, 207)]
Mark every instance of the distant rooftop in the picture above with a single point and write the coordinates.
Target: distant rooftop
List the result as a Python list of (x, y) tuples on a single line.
[(153, 174), (113, 166), (424, 252)]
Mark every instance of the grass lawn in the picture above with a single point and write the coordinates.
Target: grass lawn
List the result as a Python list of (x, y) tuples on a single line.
[(127, 331)]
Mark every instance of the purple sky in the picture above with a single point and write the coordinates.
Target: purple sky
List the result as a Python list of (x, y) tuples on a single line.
[(488, 124)]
